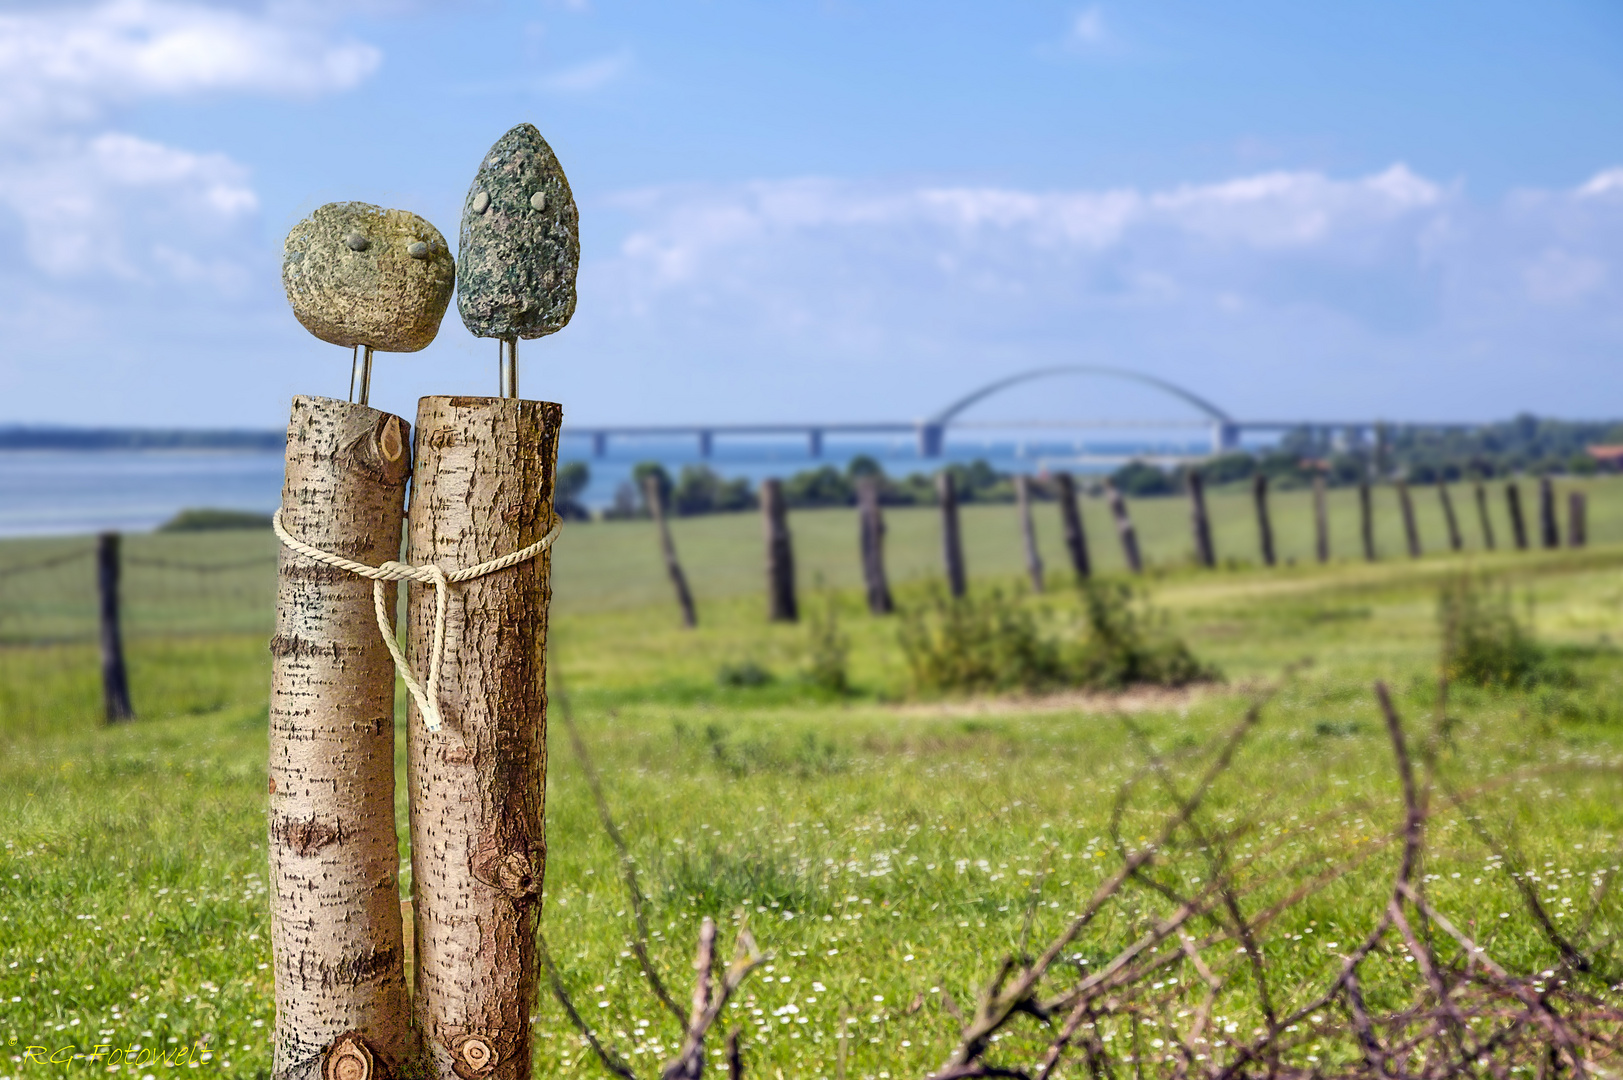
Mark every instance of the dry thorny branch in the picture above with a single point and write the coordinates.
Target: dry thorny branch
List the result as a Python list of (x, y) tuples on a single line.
[(1462, 1013), (710, 995)]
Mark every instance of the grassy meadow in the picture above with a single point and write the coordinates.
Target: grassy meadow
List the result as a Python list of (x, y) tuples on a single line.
[(888, 847)]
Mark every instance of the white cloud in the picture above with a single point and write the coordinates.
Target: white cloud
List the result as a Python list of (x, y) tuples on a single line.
[(72, 63), (1088, 29), (589, 75)]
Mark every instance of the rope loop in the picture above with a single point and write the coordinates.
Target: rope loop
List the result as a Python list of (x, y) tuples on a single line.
[(426, 695)]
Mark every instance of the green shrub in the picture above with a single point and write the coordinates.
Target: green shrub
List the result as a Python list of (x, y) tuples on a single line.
[(1484, 644), (997, 642), (742, 674), (829, 649), (207, 519)]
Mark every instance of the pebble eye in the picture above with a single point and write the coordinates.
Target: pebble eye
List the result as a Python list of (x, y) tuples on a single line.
[(418, 250), (539, 200), (357, 242), (481, 202)]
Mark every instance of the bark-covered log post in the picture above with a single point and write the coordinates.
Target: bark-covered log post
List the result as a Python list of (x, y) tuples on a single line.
[(952, 541), (115, 677), (1028, 531), (780, 554), (1483, 519), (1455, 543), (1577, 519), (871, 536), (654, 496), (1411, 532), (341, 1001), (483, 488), (1125, 530), (1518, 523), (1321, 520), (1366, 520), (1070, 515), (1549, 527), (1200, 524), (1265, 527)]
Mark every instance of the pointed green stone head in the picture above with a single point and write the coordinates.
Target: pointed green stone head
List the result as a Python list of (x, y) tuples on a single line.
[(520, 242), (358, 274)]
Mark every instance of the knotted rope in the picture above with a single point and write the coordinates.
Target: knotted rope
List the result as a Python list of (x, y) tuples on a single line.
[(427, 697)]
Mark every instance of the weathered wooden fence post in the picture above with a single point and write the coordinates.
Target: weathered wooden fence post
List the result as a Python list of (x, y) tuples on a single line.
[(1070, 515), (654, 496), (1518, 524), (482, 489), (780, 555), (1549, 527), (1125, 530), (341, 1002), (1366, 520), (871, 527), (1265, 528), (1454, 541), (1321, 519), (1577, 519), (1411, 532), (1199, 523), (115, 679), (952, 544), (1482, 516), (1028, 533)]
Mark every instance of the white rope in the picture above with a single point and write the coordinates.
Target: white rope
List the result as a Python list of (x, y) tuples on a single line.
[(427, 697)]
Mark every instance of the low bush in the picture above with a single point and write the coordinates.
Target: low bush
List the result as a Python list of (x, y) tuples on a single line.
[(1485, 644)]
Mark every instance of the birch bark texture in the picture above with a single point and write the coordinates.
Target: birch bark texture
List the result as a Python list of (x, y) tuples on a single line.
[(483, 488), (341, 1004)]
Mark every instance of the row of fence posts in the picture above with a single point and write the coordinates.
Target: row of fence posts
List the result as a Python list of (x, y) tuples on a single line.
[(781, 600)]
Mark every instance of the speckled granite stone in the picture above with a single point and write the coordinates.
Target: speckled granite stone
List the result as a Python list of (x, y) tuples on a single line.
[(520, 242), (358, 274)]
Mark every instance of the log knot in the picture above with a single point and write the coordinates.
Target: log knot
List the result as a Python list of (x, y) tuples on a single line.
[(508, 871), (473, 1056), (306, 836), (349, 1059)]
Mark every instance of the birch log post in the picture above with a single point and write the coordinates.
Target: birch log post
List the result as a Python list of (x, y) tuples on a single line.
[(1028, 532), (341, 1003), (871, 535), (1455, 542), (1076, 540), (655, 498), (115, 676), (780, 554), (1482, 515), (1125, 530), (952, 541), (1321, 520), (1549, 527), (1265, 527), (1411, 531), (483, 488), (1577, 519), (1366, 520), (1199, 523), (1518, 524)]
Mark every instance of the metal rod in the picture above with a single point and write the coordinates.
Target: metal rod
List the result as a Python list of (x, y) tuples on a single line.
[(360, 375), (509, 355)]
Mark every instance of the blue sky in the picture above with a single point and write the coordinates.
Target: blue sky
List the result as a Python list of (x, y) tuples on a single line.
[(837, 210)]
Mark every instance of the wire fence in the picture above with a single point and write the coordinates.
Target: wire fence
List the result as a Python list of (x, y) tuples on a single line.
[(168, 585)]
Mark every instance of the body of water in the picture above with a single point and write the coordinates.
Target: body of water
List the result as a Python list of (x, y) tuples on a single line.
[(55, 492)]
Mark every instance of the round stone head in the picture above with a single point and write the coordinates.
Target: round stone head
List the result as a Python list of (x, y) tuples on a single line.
[(358, 274), (520, 242)]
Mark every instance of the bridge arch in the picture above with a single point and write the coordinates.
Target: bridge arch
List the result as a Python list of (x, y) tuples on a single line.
[(932, 431)]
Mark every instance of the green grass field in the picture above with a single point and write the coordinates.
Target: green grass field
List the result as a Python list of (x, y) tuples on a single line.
[(882, 846)]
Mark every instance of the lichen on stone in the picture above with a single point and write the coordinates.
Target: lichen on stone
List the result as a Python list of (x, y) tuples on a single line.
[(519, 246), (358, 274)]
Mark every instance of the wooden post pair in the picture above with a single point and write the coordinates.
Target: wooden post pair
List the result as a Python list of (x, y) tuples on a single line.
[(482, 487)]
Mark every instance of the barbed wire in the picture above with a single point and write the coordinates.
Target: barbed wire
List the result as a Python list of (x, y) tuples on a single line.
[(200, 568), (45, 564)]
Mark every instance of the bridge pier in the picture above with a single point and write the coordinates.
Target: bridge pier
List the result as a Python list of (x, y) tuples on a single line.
[(814, 441), (600, 443), (707, 442), (931, 436)]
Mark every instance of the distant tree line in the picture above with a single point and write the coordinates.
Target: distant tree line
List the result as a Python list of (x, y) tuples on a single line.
[(1525, 444)]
